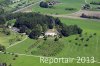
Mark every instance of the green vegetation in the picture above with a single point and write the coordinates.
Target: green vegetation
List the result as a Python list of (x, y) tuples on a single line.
[(10, 5), (83, 35), (82, 45), (60, 7), (9, 37), (94, 4), (34, 24)]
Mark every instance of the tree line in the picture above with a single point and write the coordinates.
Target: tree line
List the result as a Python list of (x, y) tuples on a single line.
[(95, 3), (90, 17)]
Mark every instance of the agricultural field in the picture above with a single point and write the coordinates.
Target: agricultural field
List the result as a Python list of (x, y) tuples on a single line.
[(23, 50), (60, 7)]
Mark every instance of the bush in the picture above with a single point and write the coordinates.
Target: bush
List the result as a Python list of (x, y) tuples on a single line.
[(56, 39), (70, 9), (16, 55), (90, 36), (95, 34), (45, 38), (14, 58), (87, 39), (70, 41), (82, 39), (76, 38), (76, 43), (86, 45), (2, 48), (44, 4)]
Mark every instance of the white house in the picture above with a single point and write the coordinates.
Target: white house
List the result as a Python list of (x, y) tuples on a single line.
[(51, 32)]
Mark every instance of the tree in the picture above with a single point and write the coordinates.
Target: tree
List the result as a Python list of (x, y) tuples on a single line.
[(58, 22), (50, 26), (44, 27), (45, 38), (2, 20), (6, 31), (23, 29), (44, 4), (35, 34), (86, 6), (2, 48), (56, 39), (1, 10)]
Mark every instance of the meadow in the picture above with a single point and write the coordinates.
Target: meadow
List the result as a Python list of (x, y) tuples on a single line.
[(85, 45), (72, 47), (60, 7)]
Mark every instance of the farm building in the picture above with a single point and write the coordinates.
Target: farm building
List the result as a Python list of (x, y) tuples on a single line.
[(51, 32)]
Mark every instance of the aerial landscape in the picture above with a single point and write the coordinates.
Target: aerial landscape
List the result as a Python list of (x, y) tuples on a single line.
[(49, 32)]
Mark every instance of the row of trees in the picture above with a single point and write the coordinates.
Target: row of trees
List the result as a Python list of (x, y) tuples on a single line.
[(70, 30), (90, 17), (95, 3)]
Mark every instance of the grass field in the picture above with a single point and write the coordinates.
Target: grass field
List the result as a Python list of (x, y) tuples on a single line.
[(70, 49), (8, 40), (85, 45), (60, 7)]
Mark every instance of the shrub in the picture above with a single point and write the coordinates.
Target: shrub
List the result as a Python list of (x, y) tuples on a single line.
[(76, 38), (70, 41), (45, 38), (56, 39), (44, 4), (82, 39), (87, 39), (16, 55), (86, 45), (14, 58), (95, 34)]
